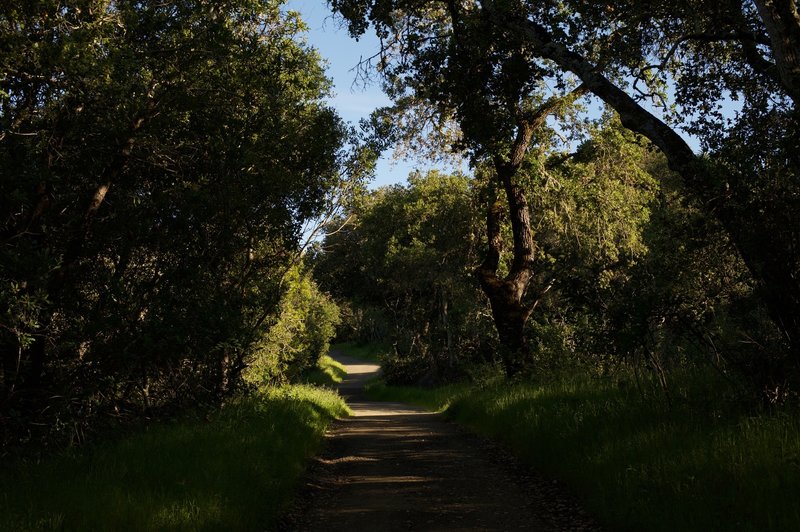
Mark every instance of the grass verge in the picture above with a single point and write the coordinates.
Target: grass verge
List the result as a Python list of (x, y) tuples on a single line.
[(435, 399), (327, 372), (234, 471), (637, 464)]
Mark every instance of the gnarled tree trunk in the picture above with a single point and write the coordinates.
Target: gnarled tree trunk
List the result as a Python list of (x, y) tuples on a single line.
[(511, 308), (509, 312)]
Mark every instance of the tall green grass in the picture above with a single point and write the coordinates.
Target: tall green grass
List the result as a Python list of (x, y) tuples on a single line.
[(638, 464), (436, 399), (234, 471), (327, 372)]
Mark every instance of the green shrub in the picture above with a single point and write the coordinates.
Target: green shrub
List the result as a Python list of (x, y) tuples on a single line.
[(300, 335)]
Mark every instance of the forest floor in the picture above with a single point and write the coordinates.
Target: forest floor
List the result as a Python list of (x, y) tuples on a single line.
[(392, 466)]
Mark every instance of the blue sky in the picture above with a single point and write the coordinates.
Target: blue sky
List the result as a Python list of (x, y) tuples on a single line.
[(353, 101)]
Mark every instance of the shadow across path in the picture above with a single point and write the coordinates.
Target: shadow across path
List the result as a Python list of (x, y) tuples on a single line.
[(392, 466)]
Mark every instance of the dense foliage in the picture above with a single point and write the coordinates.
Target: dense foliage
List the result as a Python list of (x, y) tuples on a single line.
[(401, 265), (495, 70), (299, 336), (158, 162), (630, 272)]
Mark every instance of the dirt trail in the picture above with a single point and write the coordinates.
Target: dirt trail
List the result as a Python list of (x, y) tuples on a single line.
[(392, 466)]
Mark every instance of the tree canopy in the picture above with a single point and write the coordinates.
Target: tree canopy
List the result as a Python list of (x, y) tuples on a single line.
[(496, 66), (162, 163), (158, 162)]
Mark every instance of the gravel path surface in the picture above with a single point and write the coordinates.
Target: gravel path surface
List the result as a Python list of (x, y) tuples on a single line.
[(392, 467)]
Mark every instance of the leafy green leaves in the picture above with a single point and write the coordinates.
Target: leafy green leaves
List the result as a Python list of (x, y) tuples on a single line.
[(159, 162)]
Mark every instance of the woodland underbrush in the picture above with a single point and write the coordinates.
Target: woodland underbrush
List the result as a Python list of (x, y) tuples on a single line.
[(699, 458), (232, 470), (371, 352)]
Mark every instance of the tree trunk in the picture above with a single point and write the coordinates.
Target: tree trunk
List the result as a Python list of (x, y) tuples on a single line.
[(509, 312), (10, 359), (510, 316), (36, 358), (783, 26), (451, 355)]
